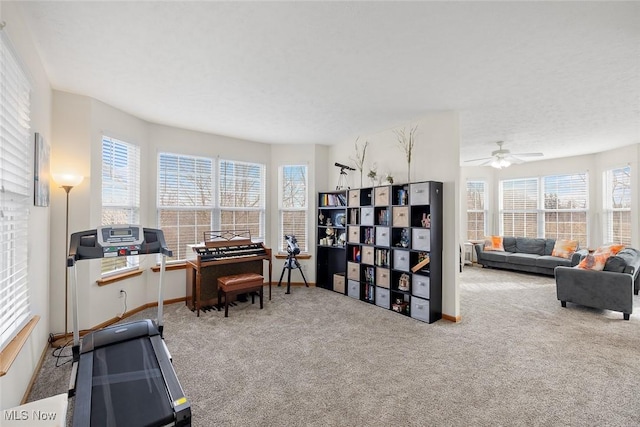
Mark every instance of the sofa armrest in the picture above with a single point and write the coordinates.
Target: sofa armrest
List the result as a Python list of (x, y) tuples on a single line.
[(479, 248), (577, 256)]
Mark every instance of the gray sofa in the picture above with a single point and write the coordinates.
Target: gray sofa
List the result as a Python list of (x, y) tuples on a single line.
[(526, 254), (610, 289)]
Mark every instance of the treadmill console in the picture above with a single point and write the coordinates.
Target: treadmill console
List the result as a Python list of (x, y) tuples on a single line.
[(120, 240)]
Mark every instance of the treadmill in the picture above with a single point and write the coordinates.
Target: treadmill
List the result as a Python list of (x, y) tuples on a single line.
[(122, 374)]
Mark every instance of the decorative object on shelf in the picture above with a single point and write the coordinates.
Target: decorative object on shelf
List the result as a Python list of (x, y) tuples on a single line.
[(342, 239), (360, 156), (404, 238), (328, 223), (407, 142), (341, 219), (330, 232), (403, 282), (423, 260), (320, 218), (372, 175), (426, 220)]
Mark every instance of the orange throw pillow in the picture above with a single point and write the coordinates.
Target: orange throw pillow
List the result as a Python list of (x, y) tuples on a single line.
[(598, 259), (564, 248), (493, 243)]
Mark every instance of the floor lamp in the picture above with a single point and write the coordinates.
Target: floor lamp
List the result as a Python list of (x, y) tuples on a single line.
[(67, 182)]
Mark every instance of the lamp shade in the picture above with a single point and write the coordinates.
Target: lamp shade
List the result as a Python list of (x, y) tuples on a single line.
[(67, 179)]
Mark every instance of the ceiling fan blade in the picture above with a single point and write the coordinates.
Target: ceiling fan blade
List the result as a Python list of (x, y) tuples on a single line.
[(477, 160), (528, 154)]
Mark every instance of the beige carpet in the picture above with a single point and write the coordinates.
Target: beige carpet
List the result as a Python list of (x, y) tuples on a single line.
[(316, 358)]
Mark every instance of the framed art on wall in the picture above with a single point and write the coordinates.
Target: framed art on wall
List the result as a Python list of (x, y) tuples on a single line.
[(41, 172)]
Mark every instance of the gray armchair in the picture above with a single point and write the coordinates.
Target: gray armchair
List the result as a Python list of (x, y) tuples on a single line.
[(610, 289)]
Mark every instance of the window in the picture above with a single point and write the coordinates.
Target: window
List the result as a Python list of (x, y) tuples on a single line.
[(519, 207), (190, 203), (120, 193), (565, 207), (293, 205), (241, 196), (15, 193), (617, 205), (476, 210), (185, 202)]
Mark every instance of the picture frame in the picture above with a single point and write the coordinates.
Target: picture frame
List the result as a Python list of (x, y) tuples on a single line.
[(41, 171)]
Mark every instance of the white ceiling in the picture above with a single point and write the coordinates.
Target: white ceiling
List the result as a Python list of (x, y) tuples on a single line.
[(562, 78)]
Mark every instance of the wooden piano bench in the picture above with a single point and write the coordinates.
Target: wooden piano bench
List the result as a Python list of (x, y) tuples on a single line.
[(239, 284)]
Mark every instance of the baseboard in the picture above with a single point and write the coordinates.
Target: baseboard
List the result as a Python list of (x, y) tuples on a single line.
[(61, 339), (450, 318)]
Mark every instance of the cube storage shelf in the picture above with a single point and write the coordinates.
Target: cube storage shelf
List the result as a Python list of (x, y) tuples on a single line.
[(386, 247)]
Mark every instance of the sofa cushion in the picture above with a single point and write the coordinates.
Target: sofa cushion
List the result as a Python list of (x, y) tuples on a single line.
[(564, 248), (530, 246), (495, 256), (509, 244), (522, 259), (548, 246), (598, 259), (625, 261), (493, 243), (548, 261)]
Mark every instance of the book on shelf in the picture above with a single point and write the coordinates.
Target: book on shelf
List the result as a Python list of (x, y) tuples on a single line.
[(332, 200)]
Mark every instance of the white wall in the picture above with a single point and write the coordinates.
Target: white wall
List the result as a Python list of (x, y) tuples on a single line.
[(14, 384), (436, 157), (593, 164)]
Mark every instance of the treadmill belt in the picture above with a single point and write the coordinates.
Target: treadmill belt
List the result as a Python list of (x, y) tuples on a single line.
[(128, 388)]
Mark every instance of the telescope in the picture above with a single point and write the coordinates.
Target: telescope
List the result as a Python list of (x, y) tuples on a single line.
[(340, 165)]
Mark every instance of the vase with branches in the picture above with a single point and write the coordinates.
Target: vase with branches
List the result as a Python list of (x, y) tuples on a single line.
[(407, 142), (359, 158)]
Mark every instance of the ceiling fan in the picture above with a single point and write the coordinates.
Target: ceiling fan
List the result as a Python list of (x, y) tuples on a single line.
[(502, 158)]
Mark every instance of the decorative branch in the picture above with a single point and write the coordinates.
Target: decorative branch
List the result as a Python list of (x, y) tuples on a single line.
[(360, 156), (407, 142)]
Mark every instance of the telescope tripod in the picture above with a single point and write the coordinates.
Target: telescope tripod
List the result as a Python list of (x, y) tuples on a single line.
[(291, 263)]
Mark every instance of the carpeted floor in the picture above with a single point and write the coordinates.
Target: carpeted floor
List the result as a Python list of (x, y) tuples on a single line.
[(316, 358)]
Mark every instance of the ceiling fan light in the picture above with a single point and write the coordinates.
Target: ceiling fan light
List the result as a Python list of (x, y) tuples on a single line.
[(500, 163)]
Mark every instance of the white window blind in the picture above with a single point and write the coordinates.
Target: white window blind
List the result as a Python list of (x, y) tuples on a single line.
[(476, 210), (120, 192), (185, 202), (566, 201), (519, 207), (617, 205), (293, 205), (15, 191), (242, 197)]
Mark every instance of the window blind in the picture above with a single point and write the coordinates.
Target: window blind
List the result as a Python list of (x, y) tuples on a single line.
[(185, 203), (120, 192), (617, 205), (476, 210), (293, 205), (242, 197), (15, 190), (519, 207), (566, 200)]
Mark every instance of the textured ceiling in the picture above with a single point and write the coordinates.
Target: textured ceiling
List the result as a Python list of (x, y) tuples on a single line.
[(562, 78)]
